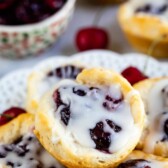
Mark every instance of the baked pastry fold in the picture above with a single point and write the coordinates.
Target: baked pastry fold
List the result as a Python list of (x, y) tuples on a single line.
[(95, 121)]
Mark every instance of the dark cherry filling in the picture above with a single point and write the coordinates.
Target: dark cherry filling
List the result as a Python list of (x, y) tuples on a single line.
[(57, 98), (18, 140), (94, 88), (68, 71), (165, 129), (10, 164), (10, 114), (113, 126), (163, 118), (79, 92), (134, 164), (6, 4), (65, 115), (164, 93), (20, 150), (30, 11), (23, 148), (111, 104), (101, 138), (148, 8), (65, 111)]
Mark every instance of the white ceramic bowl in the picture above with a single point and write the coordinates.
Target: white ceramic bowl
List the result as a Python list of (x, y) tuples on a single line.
[(26, 40)]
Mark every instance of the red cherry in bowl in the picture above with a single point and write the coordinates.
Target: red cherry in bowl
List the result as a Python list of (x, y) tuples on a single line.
[(4, 4), (91, 38), (3, 21), (55, 4), (133, 75), (10, 114), (29, 11)]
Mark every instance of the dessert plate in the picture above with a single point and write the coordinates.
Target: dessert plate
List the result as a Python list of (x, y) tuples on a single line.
[(13, 86)]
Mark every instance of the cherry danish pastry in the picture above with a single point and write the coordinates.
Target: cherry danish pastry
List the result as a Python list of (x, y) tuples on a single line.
[(91, 122), (154, 93)]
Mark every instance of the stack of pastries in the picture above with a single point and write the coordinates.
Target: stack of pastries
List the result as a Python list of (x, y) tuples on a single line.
[(79, 117)]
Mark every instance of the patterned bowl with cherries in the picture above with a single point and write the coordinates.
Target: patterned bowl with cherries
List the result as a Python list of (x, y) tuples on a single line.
[(20, 41)]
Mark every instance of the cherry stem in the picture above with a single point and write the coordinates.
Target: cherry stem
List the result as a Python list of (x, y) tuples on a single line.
[(154, 44), (7, 116), (146, 65), (151, 49), (98, 16)]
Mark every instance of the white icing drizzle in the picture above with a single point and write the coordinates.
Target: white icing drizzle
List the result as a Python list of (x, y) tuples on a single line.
[(45, 84), (156, 118), (88, 110), (157, 164), (152, 164), (135, 4), (35, 157)]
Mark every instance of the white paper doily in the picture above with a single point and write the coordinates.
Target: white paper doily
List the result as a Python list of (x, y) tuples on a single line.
[(111, 60), (13, 89), (13, 86)]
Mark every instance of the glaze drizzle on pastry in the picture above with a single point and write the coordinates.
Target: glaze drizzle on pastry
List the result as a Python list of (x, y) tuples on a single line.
[(141, 163), (26, 152), (158, 115), (97, 117)]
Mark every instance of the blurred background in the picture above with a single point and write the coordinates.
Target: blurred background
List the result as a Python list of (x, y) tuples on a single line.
[(84, 16), (87, 14)]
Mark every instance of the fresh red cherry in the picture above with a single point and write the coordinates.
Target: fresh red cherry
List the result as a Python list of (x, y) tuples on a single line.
[(4, 4), (133, 75), (55, 4), (91, 38), (10, 114)]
